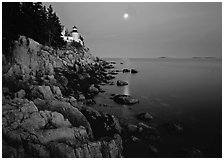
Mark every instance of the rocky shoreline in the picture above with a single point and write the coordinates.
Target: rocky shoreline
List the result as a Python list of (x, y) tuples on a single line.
[(46, 99), (45, 92)]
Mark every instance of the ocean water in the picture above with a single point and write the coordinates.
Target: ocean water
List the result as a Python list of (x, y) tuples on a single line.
[(187, 91)]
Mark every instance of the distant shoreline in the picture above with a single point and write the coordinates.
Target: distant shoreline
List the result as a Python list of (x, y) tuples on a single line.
[(204, 58)]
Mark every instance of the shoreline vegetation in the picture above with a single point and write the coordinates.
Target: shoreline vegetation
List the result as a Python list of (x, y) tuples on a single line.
[(47, 92)]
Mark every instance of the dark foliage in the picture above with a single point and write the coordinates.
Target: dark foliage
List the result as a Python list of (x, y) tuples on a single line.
[(76, 45), (32, 20)]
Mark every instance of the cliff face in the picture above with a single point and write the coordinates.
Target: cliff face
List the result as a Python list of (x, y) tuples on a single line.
[(30, 58), (44, 112)]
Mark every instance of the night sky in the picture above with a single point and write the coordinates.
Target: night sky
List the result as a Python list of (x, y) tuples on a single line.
[(151, 30)]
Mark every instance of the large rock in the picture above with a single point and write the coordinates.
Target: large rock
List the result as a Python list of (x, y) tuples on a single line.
[(121, 83), (101, 124), (126, 70), (20, 94), (145, 116), (43, 92), (93, 90), (27, 131), (125, 99), (44, 137), (27, 117), (81, 97), (56, 90), (113, 72), (63, 134), (75, 117), (134, 71), (28, 59)]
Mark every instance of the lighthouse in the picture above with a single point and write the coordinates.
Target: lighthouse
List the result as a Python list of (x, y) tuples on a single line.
[(72, 36), (75, 34)]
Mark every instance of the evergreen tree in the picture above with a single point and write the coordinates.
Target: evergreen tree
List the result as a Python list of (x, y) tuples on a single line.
[(32, 20)]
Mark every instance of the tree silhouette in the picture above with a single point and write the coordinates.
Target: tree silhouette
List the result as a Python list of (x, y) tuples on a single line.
[(32, 20)]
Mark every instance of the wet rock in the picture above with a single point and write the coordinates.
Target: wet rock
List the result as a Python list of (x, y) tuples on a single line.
[(93, 90), (126, 70), (134, 71), (121, 83), (112, 62), (109, 77), (90, 102), (20, 94), (81, 97), (101, 90), (152, 150), (174, 128), (190, 152), (111, 83), (131, 128), (145, 116), (142, 127), (135, 139), (113, 72), (125, 99), (101, 124)]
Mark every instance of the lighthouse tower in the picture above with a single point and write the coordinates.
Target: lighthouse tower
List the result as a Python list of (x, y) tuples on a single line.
[(75, 34)]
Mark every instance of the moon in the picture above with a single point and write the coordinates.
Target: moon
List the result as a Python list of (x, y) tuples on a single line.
[(125, 16)]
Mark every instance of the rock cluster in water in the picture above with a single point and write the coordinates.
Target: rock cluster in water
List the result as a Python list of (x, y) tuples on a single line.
[(125, 99), (121, 83)]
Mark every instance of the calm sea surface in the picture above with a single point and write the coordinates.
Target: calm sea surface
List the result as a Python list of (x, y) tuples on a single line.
[(188, 91)]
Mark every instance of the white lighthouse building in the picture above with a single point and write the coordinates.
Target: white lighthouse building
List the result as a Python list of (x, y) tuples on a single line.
[(73, 36)]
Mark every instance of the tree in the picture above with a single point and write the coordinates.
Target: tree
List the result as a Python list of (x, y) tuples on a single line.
[(32, 20)]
